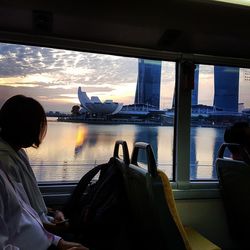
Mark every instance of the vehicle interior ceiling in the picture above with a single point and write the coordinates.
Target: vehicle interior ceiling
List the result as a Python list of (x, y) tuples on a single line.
[(182, 26)]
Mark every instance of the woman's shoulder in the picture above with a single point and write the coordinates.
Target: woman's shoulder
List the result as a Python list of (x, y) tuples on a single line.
[(23, 153), (5, 159), (9, 166), (2, 175)]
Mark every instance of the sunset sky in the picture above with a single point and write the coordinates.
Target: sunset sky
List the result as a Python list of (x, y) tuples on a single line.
[(52, 76)]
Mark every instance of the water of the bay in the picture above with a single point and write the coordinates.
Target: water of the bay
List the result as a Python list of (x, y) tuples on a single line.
[(71, 149)]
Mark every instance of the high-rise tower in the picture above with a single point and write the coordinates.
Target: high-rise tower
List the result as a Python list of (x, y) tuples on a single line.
[(148, 83), (196, 86), (226, 88)]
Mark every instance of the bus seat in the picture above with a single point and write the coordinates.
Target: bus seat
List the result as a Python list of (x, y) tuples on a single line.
[(233, 176), (156, 220), (193, 240), (122, 160)]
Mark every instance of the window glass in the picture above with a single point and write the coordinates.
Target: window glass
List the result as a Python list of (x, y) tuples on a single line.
[(91, 100), (220, 98)]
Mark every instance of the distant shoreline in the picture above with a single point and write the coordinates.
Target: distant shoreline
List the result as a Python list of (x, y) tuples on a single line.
[(143, 123), (111, 122)]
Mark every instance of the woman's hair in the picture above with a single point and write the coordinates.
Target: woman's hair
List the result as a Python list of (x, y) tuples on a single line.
[(23, 122), (237, 133)]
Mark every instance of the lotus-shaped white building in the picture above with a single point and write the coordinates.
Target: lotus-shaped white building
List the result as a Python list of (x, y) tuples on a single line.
[(94, 105)]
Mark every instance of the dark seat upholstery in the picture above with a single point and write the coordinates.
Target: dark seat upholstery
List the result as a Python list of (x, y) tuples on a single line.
[(234, 182)]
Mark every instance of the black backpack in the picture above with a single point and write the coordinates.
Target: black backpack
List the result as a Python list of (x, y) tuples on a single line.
[(98, 210)]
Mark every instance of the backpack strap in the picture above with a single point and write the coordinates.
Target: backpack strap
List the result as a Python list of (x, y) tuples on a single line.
[(105, 179), (81, 186)]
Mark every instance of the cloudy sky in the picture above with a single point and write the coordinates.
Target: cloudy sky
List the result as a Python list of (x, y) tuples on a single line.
[(52, 76)]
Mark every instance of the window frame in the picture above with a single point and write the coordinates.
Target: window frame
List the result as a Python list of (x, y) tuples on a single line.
[(182, 185), (184, 188)]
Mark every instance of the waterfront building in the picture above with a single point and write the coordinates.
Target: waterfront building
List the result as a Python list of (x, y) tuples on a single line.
[(95, 106), (226, 88), (148, 83)]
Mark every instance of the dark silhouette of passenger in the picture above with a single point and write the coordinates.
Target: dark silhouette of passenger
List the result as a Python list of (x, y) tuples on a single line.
[(239, 133), (23, 124)]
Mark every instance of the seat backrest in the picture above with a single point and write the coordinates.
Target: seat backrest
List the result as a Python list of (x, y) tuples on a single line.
[(234, 176), (121, 156), (242, 151), (155, 221)]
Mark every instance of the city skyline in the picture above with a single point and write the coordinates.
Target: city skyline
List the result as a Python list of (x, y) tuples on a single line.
[(52, 76)]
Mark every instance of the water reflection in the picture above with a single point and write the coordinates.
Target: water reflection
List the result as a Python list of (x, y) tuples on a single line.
[(80, 139), (205, 143), (71, 149), (218, 140), (193, 159), (161, 140), (149, 135)]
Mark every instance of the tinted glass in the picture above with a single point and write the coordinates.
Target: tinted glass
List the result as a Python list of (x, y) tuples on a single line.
[(221, 97), (91, 100)]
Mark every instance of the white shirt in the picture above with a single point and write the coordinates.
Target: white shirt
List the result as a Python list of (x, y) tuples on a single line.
[(20, 225), (16, 165)]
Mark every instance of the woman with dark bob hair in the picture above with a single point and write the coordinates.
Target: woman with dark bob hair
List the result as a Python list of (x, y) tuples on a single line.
[(23, 124)]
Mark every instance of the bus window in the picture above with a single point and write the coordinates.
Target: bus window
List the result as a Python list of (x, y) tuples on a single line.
[(91, 100), (220, 98)]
